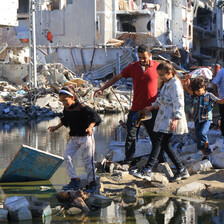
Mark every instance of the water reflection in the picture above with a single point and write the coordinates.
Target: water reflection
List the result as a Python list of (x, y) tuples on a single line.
[(35, 134)]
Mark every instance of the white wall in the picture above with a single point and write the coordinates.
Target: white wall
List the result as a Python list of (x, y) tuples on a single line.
[(8, 12), (73, 25), (182, 20)]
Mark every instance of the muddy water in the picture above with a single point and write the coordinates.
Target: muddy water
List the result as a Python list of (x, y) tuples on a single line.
[(146, 210)]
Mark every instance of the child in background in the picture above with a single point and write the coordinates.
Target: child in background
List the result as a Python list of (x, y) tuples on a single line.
[(170, 119), (202, 110), (80, 119)]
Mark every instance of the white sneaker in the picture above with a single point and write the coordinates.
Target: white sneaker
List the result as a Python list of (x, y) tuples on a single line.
[(144, 174)]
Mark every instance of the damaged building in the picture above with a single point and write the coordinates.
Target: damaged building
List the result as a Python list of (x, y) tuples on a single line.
[(208, 32), (87, 36)]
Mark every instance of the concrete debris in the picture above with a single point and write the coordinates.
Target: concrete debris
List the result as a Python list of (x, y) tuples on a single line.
[(39, 208), (3, 215), (191, 189), (199, 166), (159, 180), (165, 168), (18, 208), (217, 160), (98, 201)]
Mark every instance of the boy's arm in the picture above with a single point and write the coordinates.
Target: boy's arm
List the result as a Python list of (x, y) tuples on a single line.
[(215, 89), (188, 90), (216, 99), (187, 83), (220, 101)]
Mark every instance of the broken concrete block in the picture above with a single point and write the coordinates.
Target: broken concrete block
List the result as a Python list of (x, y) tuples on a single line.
[(165, 168), (96, 200), (159, 178), (219, 144), (40, 208), (53, 104), (199, 166), (18, 208), (189, 148), (217, 160), (73, 211), (193, 188), (15, 202), (3, 215), (42, 102)]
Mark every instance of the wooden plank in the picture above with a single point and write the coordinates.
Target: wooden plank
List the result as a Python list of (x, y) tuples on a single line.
[(30, 164)]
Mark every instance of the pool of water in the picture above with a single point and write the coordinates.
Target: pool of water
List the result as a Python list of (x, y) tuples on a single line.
[(165, 210)]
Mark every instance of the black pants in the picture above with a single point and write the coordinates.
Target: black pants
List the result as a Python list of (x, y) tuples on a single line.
[(132, 132), (221, 111), (163, 142)]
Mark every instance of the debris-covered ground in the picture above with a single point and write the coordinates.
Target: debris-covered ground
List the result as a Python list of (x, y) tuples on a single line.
[(115, 181)]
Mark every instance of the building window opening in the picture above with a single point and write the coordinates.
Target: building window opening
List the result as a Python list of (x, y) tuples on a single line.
[(127, 27), (149, 26), (23, 6)]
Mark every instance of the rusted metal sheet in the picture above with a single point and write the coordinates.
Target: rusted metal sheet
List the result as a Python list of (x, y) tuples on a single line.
[(30, 164)]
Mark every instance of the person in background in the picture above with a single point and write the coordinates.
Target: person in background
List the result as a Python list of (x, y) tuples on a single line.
[(170, 119), (202, 110), (218, 87), (145, 85), (80, 119)]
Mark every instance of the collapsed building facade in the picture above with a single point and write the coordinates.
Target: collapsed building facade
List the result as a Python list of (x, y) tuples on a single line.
[(85, 35)]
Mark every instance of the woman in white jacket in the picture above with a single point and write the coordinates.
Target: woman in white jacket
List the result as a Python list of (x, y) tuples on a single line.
[(170, 119)]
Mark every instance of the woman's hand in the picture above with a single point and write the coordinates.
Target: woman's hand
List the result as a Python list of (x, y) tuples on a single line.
[(52, 128), (173, 125), (149, 108)]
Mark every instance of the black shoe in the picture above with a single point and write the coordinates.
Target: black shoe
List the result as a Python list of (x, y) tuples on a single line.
[(73, 185), (180, 175), (92, 187)]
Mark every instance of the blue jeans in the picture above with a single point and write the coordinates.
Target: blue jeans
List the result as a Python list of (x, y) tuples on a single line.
[(201, 130)]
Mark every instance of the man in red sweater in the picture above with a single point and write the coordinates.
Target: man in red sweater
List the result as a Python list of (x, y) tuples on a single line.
[(145, 85)]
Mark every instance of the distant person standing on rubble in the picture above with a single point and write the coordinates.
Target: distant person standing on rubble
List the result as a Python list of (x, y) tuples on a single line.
[(218, 87), (145, 84), (80, 119)]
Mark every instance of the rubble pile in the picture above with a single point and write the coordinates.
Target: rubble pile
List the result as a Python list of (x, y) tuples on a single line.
[(18, 101), (19, 208)]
